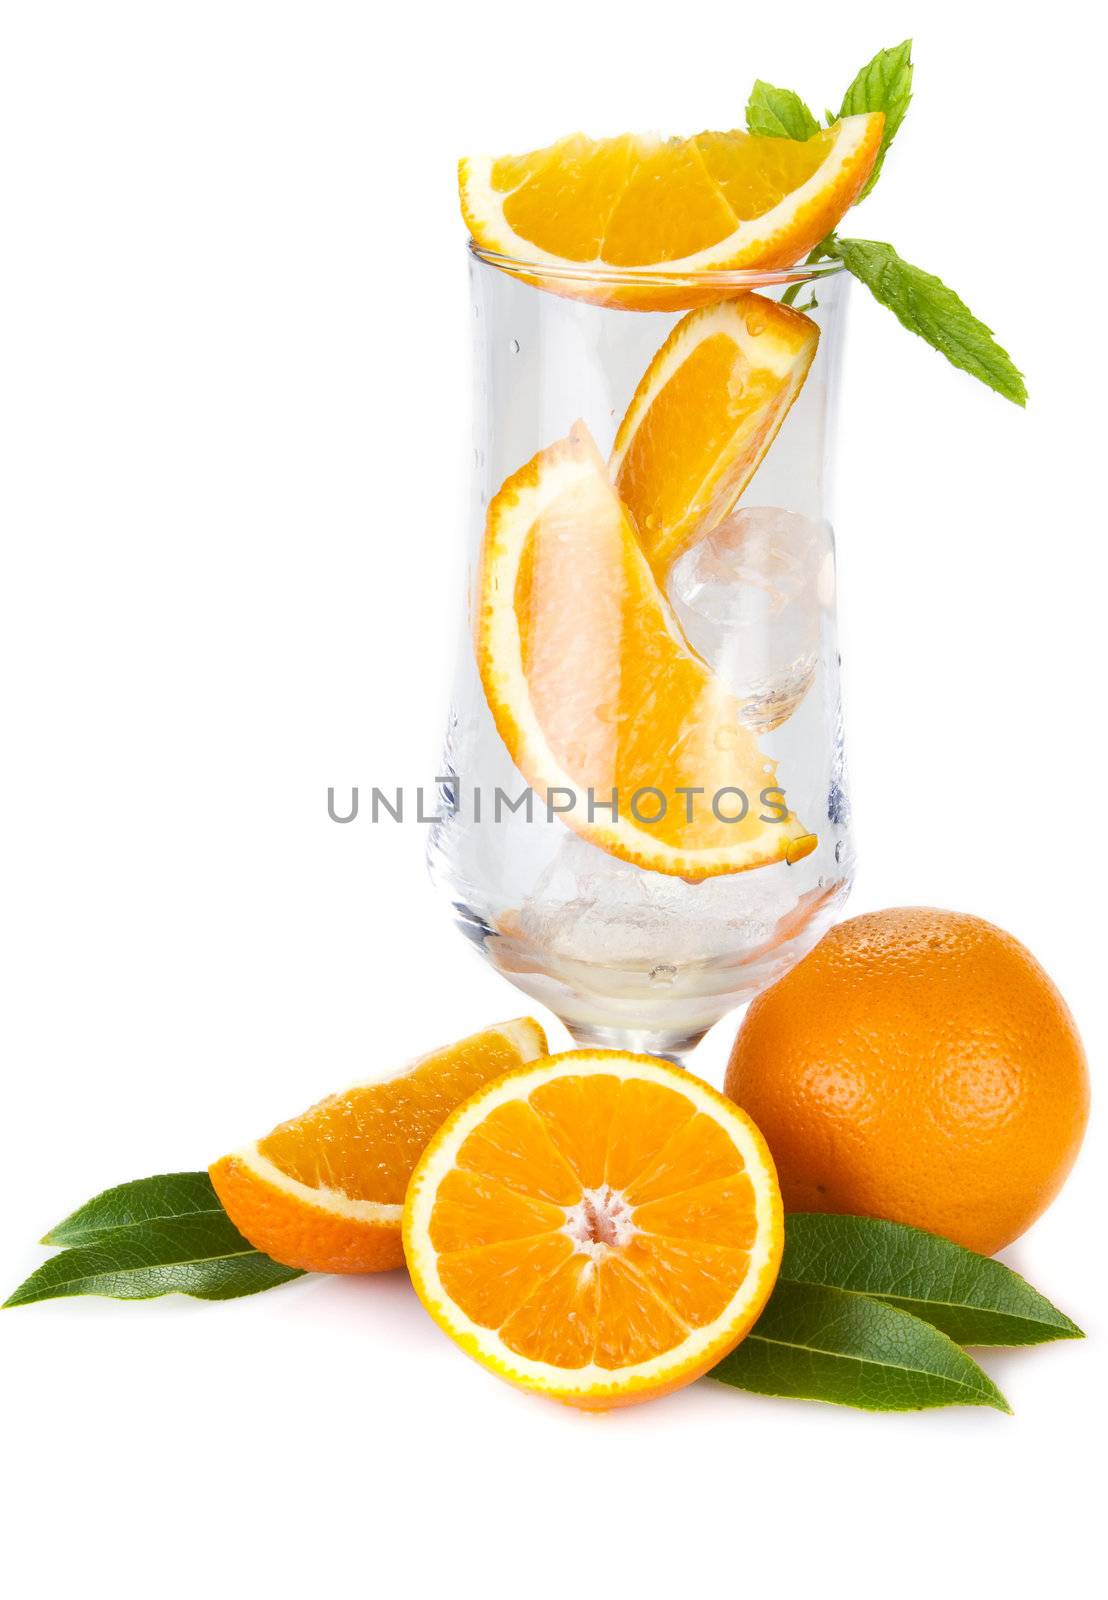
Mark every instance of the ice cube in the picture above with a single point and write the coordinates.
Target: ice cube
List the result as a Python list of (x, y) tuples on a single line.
[(597, 908), (750, 596)]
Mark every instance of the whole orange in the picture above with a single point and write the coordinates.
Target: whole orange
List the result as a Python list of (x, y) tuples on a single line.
[(917, 1065)]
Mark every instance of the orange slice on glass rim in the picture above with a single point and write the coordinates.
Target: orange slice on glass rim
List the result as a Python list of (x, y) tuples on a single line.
[(717, 202), (600, 1228), (596, 694), (325, 1191), (703, 416)]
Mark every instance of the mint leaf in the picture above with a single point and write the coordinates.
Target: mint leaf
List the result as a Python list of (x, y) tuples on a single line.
[(815, 1343), (925, 305), (170, 1194), (972, 1299), (778, 113), (884, 84), (201, 1255)]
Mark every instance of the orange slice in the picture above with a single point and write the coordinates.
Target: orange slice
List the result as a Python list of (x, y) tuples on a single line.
[(593, 688), (325, 1191), (600, 1227), (706, 411), (717, 202)]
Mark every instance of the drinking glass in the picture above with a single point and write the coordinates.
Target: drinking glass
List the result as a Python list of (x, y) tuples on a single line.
[(627, 955)]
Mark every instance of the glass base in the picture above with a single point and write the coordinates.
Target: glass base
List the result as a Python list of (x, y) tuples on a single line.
[(651, 1005)]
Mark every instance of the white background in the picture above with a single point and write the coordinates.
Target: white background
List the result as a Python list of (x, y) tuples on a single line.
[(234, 431)]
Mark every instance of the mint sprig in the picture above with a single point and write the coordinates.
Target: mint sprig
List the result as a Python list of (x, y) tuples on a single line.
[(884, 84), (921, 302), (773, 113), (924, 305)]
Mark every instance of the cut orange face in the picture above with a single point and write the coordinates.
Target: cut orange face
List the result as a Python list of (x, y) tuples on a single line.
[(325, 1191), (706, 411), (601, 1228), (598, 697), (717, 202)]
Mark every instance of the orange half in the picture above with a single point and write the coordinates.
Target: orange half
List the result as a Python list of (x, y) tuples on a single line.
[(324, 1191), (600, 1228), (596, 693), (706, 411), (716, 202)]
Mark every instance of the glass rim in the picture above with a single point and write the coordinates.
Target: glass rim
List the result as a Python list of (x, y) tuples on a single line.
[(585, 272)]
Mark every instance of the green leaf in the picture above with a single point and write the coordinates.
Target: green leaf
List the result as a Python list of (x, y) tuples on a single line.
[(778, 113), (884, 84), (814, 1343), (972, 1299), (925, 305), (200, 1255), (170, 1194)]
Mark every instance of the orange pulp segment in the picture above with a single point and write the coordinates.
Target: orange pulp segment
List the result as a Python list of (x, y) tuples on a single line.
[(599, 1227), (325, 1190), (596, 693), (703, 416), (716, 202)]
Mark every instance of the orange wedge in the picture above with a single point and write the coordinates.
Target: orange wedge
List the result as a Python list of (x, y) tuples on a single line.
[(706, 411), (593, 688), (325, 1191), (717, 202), (600, 1228)]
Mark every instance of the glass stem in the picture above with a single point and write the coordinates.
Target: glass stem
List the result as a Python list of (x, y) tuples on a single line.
[(670, 1046)]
